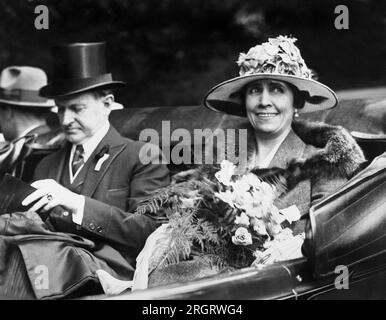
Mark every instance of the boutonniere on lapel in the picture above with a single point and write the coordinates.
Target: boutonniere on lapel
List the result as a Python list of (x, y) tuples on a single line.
[(102, 156)]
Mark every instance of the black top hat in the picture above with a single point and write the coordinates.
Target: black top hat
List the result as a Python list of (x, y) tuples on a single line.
[(79, 67)]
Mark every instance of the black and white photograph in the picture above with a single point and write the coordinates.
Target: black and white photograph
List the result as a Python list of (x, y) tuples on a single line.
[(192, 154)]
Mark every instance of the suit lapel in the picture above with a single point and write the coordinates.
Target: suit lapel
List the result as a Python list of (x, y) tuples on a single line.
[(291, 147), (93, 177)]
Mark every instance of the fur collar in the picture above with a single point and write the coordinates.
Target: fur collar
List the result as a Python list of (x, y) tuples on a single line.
[(338, 147), (336, 153)]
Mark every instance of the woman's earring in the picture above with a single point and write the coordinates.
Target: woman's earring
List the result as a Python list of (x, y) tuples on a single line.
[(296, 113)]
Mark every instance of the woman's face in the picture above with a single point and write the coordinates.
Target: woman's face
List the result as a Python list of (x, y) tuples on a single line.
[(269, 106)]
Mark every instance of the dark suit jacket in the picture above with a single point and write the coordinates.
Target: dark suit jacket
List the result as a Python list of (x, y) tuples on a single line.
[(111, 194)]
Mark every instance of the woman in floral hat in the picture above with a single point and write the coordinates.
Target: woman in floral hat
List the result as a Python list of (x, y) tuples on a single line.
[(273, 88), (310, 160)]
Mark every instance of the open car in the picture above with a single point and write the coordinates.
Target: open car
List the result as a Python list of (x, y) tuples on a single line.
[(345, 244)]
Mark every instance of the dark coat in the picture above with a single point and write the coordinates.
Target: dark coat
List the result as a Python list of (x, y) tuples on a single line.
[(21, 156), (314, 160), (310, 190), (46, 140), (110, 236)]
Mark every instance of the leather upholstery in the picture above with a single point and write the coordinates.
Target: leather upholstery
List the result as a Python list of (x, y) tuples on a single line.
[(349, 226)]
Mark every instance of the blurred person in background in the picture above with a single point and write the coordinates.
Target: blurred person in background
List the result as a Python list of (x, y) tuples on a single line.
[(27, 123)]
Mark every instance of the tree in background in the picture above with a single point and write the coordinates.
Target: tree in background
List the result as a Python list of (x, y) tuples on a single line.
[(172, 51)]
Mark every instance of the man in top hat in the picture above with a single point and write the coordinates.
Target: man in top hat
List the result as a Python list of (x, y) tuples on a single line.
[(26, 120), (90, 187)]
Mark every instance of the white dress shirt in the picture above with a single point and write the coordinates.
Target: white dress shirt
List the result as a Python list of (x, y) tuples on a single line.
[(89, 146)]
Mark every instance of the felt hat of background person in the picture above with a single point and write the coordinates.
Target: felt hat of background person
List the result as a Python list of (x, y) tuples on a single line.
[(277, 59), (79, 67), (19, 86)]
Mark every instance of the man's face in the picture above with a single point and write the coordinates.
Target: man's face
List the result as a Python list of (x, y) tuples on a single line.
[(81, 115)]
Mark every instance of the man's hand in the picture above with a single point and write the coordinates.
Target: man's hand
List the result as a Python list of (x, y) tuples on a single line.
[(50, 194)]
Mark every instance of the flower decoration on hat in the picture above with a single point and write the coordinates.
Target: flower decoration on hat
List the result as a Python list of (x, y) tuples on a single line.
[(277, 56), (278, 59)]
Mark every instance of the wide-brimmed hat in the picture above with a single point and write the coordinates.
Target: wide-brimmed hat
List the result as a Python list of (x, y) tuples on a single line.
[(79, 67), (277, 59), (20, 85)]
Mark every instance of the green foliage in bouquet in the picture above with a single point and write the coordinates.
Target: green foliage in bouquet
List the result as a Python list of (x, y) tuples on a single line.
[(215, 214), (200, 223)]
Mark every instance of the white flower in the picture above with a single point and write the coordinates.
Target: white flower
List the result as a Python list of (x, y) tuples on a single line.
[(276, 216), (257, 254), (273, 228), (252, 180), (270, 49), (242, 59), (243, 199), (242, 237), (225, 174), (291, 213), (286, 46), (280, 39), (242, 219), (253, 212), (265, 205), (285, 57), (259, 227), (268, 244), (255, 51), (253, 63), (267, 189), (258, 54), (241, 186), (285, 234)]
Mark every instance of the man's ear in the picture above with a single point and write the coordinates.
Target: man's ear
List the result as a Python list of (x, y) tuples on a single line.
[(108, 100)]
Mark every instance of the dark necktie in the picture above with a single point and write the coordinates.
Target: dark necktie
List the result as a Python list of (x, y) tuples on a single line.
[(78, 159)]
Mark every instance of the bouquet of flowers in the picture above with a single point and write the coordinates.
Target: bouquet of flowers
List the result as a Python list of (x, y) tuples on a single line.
[(257, 219), (214, 213)]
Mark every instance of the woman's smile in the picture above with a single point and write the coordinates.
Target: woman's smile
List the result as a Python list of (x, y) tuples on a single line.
[(267, 115)]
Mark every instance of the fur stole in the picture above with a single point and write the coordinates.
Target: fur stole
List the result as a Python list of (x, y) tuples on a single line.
[(336, 154)]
